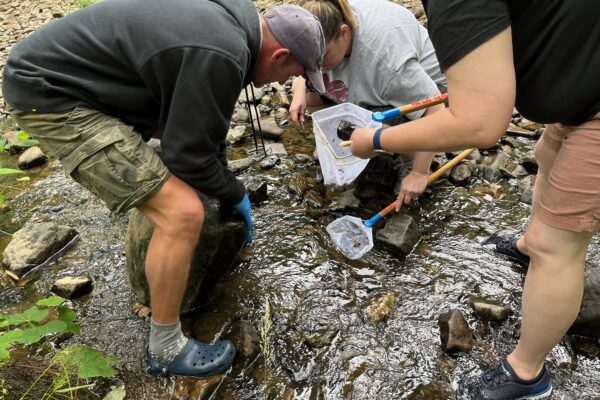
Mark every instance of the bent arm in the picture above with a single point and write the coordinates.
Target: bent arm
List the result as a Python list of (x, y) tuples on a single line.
[(481, 91)]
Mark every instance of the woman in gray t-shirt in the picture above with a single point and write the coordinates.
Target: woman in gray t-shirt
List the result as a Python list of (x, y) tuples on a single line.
[(378, 55)]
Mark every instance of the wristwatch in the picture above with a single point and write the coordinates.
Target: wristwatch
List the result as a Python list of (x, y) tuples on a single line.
[(377, 141)]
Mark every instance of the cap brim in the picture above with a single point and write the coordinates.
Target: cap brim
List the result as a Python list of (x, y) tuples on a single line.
[(316, 80)]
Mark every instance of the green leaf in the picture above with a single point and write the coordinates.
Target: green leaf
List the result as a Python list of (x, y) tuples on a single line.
[(35, 333), (32, 314), (91, 362), (25, 178), (6, 171), (69, 317), (29, 335), (26, 143), (3, 143), (51, 301), (23, 135), (2, 199)]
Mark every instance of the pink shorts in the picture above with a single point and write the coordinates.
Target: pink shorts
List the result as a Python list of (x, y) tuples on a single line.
[(570, 158)]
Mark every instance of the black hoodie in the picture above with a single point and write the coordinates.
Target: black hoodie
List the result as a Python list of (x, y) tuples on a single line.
[(173, 66)]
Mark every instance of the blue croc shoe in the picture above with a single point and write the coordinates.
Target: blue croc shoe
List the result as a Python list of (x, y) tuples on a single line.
[(195, 359), (501, 383)]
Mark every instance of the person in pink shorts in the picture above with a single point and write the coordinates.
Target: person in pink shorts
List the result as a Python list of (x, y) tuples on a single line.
[(543, 58)]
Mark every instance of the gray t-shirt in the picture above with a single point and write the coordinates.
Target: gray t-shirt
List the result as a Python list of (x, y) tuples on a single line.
[(392, 62)]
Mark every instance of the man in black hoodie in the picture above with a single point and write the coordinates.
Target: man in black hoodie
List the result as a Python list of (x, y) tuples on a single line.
[(94, 86)]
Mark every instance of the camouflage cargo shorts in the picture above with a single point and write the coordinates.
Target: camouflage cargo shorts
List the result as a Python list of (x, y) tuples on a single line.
[(100, 152)]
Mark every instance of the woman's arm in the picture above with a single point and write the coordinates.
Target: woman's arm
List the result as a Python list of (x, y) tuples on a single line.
[(481, 91)]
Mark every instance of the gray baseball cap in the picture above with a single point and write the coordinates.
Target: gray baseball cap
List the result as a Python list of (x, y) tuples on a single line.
[(300, 32)]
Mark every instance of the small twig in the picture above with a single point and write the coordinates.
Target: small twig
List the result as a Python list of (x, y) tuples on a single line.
[(6, 233)]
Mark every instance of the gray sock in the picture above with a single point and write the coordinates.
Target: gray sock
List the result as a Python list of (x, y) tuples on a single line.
[(166, 340)]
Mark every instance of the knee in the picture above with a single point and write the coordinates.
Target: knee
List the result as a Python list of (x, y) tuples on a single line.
[(183, 219)]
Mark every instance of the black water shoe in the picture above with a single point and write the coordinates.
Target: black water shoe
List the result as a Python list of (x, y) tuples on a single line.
[(509, 248), (195, 359), (501, 383)]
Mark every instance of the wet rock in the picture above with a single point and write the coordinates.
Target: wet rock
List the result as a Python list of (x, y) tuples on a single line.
[(220, 242), (492, 189), (36, 244), (235, 134), (32, 157), (461, 173), (529, 125), (72, 287), (299, 184), (400, 233), (588, 320), (245, 338), (526, 186), (208, 326), (488, 173), (432, 390), (303, 158), (265, 100), (527, 182), (276, 149), (489, 310), (529, 162), (527, 196), (475, 156), (344, 201), (236, 166), (282, 99), (269, 162), (313, 199), (195, 388), (282, 114), (257, 192), (519, 172), (439, 159), (454, 332), (319, 177), (270, 129), (501, 160), (382, 308), (258, 94), (240, 115), (516, 130), (321, 338)]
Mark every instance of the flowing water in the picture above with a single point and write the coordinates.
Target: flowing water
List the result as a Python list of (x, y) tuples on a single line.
[(323, 344)]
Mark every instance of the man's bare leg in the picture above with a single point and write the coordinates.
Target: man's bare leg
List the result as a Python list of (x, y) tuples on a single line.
[(177, 213)]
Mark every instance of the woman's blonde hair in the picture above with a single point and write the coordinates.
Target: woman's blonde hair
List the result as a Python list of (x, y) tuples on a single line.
[(332, 14)]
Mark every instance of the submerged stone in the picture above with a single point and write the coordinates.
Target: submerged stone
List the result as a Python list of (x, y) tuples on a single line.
[(489, 310), (35, 244), (72, 287), (383, 307), (401, 233), (454, 332)]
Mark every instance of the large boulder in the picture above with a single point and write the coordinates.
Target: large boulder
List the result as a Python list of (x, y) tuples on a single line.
[(220, 243), (588, 320)]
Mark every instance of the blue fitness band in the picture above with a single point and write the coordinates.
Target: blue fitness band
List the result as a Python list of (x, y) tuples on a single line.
[(377, 141)]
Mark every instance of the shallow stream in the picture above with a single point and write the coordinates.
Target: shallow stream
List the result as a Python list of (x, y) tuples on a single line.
[(322, 342)]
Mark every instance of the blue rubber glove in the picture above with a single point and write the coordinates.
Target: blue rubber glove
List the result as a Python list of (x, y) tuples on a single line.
[(243, 207)]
